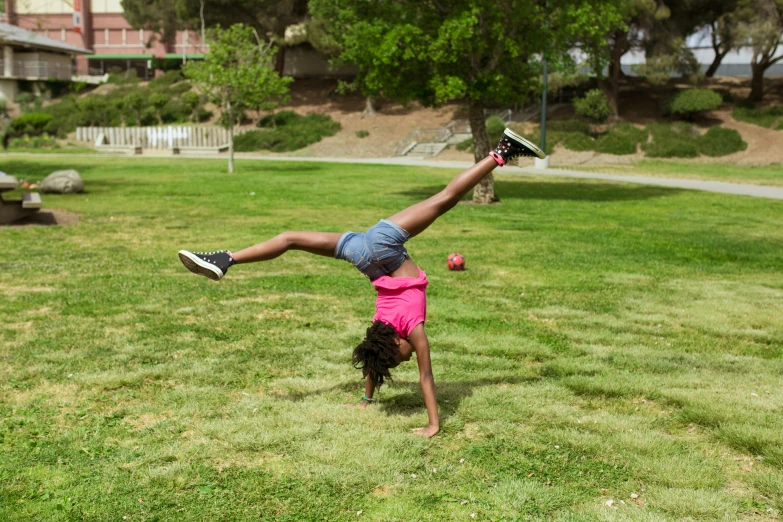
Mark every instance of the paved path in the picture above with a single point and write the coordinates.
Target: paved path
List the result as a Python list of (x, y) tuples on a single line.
[(741, 189)]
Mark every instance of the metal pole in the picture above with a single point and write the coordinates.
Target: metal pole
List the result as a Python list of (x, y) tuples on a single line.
[(543, 110), (543, 94)]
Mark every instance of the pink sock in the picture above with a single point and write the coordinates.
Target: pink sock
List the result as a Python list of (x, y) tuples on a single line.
[(497, 157)]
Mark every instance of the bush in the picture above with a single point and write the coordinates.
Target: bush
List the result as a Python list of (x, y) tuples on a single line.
[(32, 124), (576, 141), (26, 100), (720, 142), (594, 106), (568, 126), (495, 127), (279, 119), (362, 133), (671, 141), (37, 142), (119, 77), (768, 117), (166, 80), (620, 139), (691, 102), (294, 132)]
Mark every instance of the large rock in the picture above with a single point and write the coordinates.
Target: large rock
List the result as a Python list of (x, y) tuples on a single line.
[(62, 182)]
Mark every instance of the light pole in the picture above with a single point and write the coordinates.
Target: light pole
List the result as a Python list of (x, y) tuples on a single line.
[(544, 163)]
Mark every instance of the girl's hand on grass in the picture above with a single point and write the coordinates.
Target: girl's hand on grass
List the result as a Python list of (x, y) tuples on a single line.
[(428, 432)]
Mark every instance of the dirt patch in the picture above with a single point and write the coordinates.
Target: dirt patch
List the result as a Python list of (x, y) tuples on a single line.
[(390, 124), (47, 217)]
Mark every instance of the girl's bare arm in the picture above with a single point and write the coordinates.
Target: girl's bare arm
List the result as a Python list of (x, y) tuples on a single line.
[(418, 338)]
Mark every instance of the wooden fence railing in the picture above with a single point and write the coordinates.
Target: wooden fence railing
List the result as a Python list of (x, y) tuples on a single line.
[(169, 137)]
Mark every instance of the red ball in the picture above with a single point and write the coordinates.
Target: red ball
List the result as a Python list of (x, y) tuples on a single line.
[(456, 262)]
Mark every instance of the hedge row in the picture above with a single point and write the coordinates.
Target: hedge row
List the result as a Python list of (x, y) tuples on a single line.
[(167, 99), (657, 140), (286, 131)]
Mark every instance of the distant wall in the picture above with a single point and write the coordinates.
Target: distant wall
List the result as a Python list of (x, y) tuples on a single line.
[(8, 89), (303, 61)]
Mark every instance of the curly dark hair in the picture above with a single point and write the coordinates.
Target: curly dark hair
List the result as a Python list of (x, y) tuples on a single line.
[(377, 353)]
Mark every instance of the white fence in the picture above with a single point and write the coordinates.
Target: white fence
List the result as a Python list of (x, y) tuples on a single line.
[(38, 69), (156, 137)]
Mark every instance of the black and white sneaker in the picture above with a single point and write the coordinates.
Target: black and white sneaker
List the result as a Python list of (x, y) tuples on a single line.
[(213, 265), (512, 145)]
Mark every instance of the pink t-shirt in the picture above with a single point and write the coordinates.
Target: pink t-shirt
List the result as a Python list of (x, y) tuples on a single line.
[(401, 302)]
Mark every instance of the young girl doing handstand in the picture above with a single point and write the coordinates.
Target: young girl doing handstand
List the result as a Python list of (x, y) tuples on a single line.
[(400, 309)]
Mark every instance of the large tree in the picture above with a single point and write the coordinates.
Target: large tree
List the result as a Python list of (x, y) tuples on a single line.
[(761, 29), (477, 52), (237, 73), (689, 16), (159, 17), (619, 26), (269, 18)]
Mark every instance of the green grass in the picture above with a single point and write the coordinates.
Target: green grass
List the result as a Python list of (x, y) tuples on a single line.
[(606, 340), (758, 175)]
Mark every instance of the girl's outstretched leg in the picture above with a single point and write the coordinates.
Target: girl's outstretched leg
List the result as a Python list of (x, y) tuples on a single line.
[(319, 243), (416, 218), (214, 265)]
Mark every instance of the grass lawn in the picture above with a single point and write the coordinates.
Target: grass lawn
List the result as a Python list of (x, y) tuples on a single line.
[(757, 175), (608, 342)]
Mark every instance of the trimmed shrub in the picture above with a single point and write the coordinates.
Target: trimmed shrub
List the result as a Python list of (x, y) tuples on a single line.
[(293, 132), (594, 106), (279, 119), (573, 125), (620, 139), (32, 124), (690, 102), (576, 141), (671, 141), (720, 142)]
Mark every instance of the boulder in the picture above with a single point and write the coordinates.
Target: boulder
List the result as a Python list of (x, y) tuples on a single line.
[(62, 182)]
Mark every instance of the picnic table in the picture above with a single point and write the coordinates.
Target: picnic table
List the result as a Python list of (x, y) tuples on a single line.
[(11, 211)]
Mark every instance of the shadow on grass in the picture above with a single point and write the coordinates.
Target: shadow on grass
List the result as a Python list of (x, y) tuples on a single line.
[(560, 190), (450, 394)]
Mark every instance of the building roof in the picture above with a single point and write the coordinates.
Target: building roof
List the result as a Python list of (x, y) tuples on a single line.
[(14, 35)]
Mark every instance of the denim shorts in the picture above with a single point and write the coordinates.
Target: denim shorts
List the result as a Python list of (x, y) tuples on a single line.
[(376, 252)]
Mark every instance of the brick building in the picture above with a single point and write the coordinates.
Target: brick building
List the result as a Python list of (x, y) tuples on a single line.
[(99, 26)]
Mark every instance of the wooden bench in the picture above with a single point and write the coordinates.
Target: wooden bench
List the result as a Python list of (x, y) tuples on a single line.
[(11, 211)]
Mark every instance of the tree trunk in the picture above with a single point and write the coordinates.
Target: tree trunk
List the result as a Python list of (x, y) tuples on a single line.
[(230, 139), (369, 107), (713, 68), (280, 60), (484, 193), (614, 91), (203, 25), (757, 82)]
